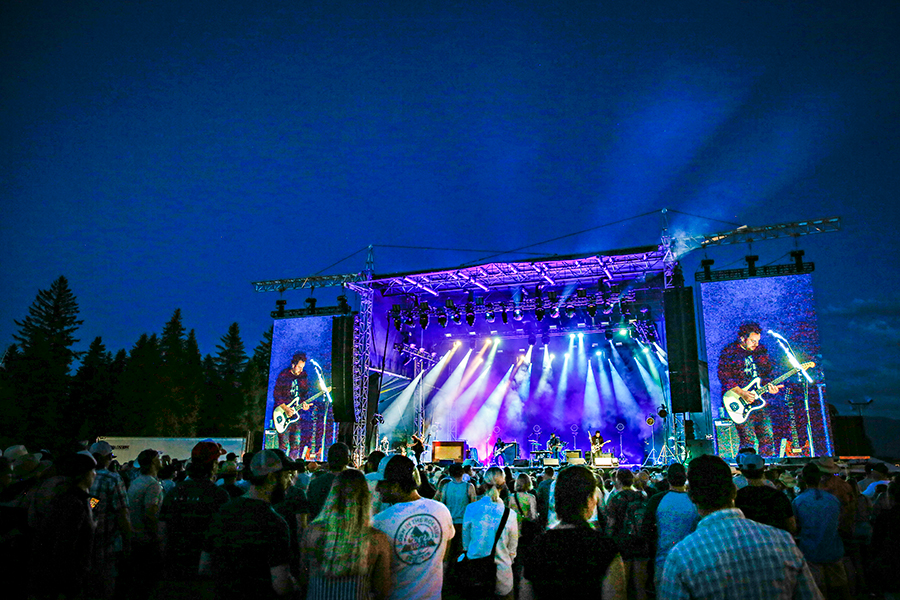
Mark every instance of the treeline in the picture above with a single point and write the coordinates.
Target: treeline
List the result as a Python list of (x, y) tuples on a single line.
[(161, 387)]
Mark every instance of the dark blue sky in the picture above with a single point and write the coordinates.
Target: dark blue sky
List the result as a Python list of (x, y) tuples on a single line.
[(161, 155)]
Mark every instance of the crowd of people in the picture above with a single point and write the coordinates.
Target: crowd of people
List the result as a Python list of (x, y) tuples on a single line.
[(264, 526)]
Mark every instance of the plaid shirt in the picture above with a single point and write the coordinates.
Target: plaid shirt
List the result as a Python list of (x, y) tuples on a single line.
[(732, 557), (108, 487)]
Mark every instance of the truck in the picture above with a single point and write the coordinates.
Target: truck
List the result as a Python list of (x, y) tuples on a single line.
[(128, 448)]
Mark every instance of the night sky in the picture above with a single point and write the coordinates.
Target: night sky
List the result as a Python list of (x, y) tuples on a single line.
[(164, 155)]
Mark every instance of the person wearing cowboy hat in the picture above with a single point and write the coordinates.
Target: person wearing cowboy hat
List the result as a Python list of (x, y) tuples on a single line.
[(65, 536), (831, 482)]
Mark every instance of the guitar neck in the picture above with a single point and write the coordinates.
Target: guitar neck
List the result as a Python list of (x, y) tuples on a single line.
[(790, 373)]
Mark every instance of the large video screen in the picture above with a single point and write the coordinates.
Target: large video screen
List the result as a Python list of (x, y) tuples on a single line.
[(299, 412), (765, 378)]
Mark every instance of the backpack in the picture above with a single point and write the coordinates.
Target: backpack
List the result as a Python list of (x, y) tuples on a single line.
[(635, 512)]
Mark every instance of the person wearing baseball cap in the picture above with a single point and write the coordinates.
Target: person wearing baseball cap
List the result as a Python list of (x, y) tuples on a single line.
[(247, 549), (760, 500), (187, 512), (419, 529), (113, 525)]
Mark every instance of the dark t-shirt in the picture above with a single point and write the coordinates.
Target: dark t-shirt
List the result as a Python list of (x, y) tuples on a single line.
[(294, 504), (616, 513), (765, 505), (318, 491), (569, 563), (246, 539), (187, 511), (737, 366)]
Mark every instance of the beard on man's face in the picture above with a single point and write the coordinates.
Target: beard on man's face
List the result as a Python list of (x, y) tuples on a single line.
[(278, 492)]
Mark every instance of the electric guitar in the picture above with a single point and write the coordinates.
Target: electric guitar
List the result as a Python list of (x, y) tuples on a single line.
[(280, 418), (739, 409)]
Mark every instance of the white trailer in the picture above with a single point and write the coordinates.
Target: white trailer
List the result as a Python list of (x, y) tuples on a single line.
[(128, 448)]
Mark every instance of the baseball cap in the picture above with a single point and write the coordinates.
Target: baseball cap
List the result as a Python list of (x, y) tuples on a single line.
[(205, 452), (102, 448), (145, 458), (397, 468), (266, 462)]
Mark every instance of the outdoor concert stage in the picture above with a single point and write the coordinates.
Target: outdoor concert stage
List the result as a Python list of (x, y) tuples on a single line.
[(603, 343)]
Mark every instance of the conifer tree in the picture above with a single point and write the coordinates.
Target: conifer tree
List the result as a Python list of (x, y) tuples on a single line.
[(41, 377)]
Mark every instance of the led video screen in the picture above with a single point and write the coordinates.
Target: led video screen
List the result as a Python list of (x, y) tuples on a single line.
[(765, 378), (299, 411)]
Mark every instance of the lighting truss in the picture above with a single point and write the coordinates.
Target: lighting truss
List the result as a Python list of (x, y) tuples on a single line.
[(416, 353), (630, 266), (748, 234)]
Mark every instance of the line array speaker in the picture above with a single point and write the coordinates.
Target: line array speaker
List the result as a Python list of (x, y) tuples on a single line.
[(681, 346)]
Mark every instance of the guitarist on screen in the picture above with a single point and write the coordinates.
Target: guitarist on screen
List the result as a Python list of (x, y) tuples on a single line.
[(292, 384), (740, 363)]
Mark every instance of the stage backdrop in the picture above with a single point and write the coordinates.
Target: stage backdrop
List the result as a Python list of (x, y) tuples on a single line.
[(312, 336), (782, 306)]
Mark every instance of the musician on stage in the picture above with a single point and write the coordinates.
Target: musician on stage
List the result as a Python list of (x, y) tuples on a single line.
[(740, 362), (290, 385), (596, 444), (499, 447), (554, 445)]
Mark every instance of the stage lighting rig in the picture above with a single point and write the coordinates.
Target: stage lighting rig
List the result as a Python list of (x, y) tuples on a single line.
[(489, 314), (412, 352), (518, 313), (442, 319), (423, 315)]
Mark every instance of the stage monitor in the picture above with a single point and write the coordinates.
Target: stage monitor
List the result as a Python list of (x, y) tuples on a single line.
[(455, 451), (299, 416), (760, 331)]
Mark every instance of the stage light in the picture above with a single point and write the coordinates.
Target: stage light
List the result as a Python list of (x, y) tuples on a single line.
[(442, 319), (539, 313), (592, 309), (571, 337), (532, 339), (470, 318), (455, 317), (398, 323), (423, 320), (496, 341), (503, 316), (646, 350), (489, 315), (518, 314), (570, 311), (545, 338), (552, 356), (623, 331), (609, 334), (580, 335), (568, 355), (598, 353), (410, 319), (457, 344), (554, 312)]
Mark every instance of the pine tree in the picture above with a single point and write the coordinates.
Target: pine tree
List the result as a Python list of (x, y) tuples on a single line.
[(140, 389), (231, 357), (92, 393), (41, 378), (48, 332)]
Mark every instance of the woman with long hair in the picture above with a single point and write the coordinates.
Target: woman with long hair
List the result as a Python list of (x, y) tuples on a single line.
[(342, 556), (571, 559), (480, 524)]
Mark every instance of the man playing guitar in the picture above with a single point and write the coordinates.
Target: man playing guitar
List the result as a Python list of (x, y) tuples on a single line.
[(740, 363), (292, 385)]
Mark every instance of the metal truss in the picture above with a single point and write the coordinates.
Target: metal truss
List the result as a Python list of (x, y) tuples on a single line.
[(623, 267), (299, 283), (748, 235), (362, 342), (764, 271)]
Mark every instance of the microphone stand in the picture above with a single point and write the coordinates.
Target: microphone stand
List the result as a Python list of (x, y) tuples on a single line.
[(805, 379)]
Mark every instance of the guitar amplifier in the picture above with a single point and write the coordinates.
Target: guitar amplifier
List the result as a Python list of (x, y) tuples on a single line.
[(455, 451), (605, 460), (270, 439), (551, 462), (577, 461), (570, 454), (510, 453), (727, 439)]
